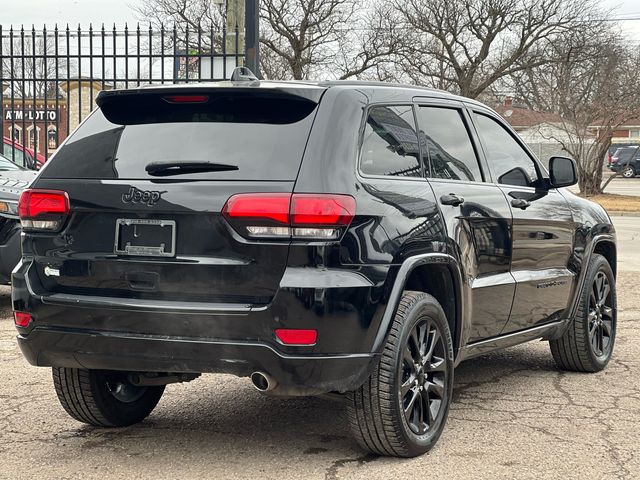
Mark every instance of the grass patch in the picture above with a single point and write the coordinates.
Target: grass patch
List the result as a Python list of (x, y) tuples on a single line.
[(617, 203)]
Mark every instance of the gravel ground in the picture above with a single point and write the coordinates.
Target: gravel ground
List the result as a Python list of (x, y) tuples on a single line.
[(513, 416)]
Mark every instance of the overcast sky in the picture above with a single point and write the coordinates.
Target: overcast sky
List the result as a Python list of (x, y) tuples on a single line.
[(74, 12)]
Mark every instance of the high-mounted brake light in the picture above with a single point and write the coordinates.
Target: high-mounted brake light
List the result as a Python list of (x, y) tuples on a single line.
[(43, 209), (186, 98), (284, 215)]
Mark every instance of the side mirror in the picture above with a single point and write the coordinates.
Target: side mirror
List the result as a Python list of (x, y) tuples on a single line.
[(563, 172)]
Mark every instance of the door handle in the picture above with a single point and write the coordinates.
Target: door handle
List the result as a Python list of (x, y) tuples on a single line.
[(451, 199), (520, 203)]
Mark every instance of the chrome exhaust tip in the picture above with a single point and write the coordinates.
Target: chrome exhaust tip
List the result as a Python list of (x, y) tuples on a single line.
[(263, 382)]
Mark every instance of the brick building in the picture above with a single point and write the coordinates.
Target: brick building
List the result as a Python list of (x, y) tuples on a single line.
[(35, 124)]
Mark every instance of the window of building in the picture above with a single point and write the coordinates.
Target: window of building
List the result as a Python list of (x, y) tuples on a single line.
[(447, 144), (34, 137), (634, 133), (17, 135), (390, 143), (509, 162), (52, 138)]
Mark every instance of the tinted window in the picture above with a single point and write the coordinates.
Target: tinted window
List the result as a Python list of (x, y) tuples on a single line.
[(447, 143), (263, 137), (9, 153), (508, 160), (390, 143)]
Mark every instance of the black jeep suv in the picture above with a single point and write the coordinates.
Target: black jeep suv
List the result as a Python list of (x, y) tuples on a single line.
[(357, 238)]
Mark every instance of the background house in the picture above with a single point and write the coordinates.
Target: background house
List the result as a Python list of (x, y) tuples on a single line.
[(541, 131)]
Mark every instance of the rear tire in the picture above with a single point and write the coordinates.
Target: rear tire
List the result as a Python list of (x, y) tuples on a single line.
[(104, 399), (587, 344), (402, 408), (628, 172)]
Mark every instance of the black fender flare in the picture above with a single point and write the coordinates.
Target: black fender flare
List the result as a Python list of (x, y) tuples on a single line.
[(586, 259), (398, 287)]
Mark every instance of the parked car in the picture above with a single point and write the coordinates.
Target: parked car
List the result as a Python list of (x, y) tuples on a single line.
[(21, 155), (13, 179), (347, 237), (626, 161)]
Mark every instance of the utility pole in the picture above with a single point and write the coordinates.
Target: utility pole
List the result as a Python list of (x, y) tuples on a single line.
[(252, 36), (235, 28)]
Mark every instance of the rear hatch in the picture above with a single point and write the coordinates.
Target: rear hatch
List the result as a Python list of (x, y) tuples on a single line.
[(147, 178)]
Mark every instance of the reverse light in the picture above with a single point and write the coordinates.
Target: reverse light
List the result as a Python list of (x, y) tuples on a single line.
[(290, 336), (21, 319), (284, 215), (43, 209)]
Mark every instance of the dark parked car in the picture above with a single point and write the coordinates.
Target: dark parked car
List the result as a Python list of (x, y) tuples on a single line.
[(346, 237), (13, 179), (626, 160)]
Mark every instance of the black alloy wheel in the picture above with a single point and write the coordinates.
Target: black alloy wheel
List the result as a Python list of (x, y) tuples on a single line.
[(600, 316), (424, 376)]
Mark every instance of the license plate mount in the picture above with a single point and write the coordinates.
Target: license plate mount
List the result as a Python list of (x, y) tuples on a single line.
[(145, 237)]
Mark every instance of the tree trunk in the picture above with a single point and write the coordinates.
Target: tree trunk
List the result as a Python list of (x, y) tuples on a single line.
[(590, 182)]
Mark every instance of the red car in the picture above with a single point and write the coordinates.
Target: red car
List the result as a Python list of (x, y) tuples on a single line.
[(22, 155)]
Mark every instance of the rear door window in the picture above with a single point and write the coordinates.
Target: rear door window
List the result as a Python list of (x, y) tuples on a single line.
[(390, 143), (447, 144), (264, 137)]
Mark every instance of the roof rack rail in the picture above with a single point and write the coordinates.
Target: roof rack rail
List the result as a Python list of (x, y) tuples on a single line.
[(243, 74)]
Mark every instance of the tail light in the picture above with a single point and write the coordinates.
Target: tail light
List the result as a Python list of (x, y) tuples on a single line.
[(283, 215), (44, 210)]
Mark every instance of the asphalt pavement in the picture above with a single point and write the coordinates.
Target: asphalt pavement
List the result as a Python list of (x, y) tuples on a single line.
[(513, 416)]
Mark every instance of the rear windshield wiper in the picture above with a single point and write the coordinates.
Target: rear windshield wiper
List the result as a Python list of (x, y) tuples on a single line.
[(162, 169)]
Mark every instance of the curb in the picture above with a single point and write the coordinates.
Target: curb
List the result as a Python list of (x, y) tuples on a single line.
[(614, 213)]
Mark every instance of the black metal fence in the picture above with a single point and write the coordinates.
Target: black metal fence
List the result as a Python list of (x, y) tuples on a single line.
[(49, 78)]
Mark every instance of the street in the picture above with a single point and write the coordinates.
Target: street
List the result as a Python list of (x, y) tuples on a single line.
[(514, 415), (624, 186), (618, 186)]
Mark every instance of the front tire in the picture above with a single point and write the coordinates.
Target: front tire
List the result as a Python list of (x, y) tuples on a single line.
[(402, 408), (587, 344), (104, 399)]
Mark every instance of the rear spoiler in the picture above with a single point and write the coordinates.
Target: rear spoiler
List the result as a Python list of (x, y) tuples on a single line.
[(308, 92), (208, 104)]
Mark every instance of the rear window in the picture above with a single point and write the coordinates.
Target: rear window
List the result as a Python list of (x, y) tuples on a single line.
[(263, 135)]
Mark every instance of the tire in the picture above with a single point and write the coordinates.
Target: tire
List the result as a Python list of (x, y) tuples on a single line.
[(587, 344), (628, 172), (376, 409), (104, 399)]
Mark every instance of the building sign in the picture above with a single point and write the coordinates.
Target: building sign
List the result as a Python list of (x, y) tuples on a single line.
[(30, 115)]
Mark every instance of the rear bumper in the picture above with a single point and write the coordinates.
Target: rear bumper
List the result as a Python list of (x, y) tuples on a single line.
[(119, 351), (9, 251), (134, 335)]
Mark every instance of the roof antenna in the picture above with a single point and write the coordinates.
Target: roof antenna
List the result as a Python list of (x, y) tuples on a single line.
[(243, 74)]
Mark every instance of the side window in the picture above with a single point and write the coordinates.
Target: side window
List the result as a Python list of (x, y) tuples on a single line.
[(509, 162), (390, 143), (9, 153), (446, 140)]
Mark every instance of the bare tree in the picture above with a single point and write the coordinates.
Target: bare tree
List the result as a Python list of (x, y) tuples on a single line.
[(192, 16), (593, 84), (305, 33), (371, 49), (468, 45), (32, 74)]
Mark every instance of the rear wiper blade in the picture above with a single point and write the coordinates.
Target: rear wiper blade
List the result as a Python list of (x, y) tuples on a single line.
[(162, 169)]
